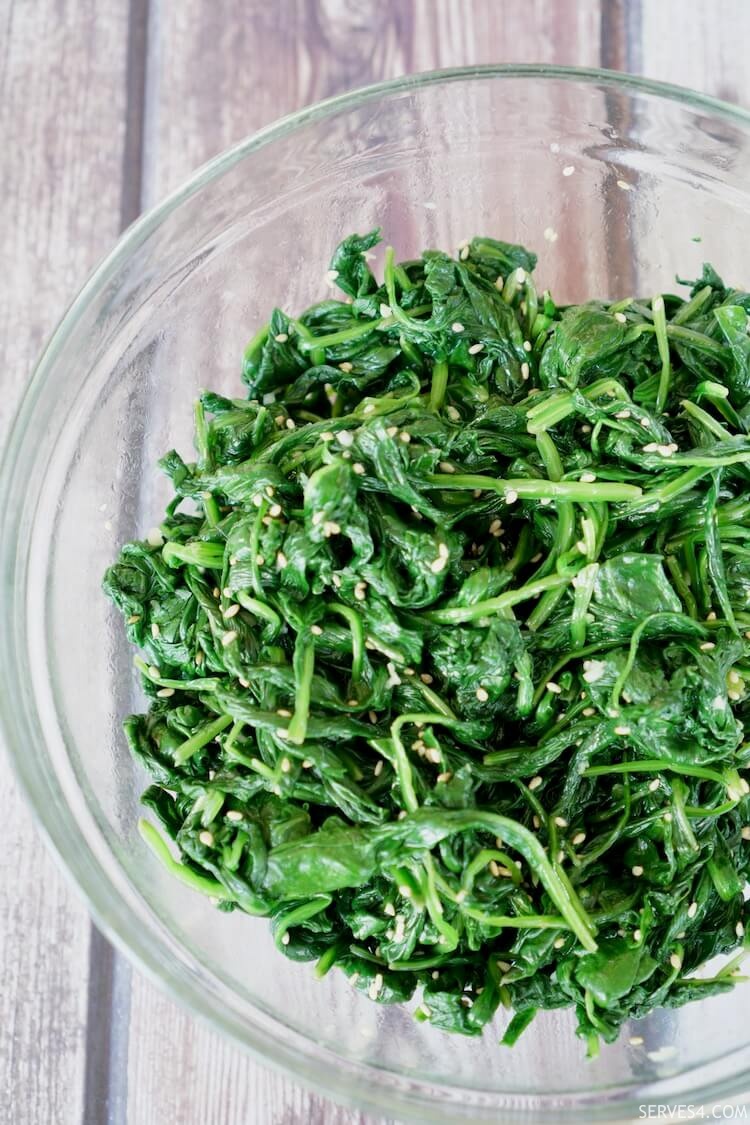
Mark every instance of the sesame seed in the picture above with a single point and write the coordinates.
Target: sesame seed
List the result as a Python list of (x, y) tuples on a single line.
[(283, 712), (285, 939), (346, 366), (561, 822), (668, 817), (535, 782), (525, 371), (452, 413), (369, 408), (558, 943), (199, 657), (274, 511), (464, 253), (385, 311), (624, 186), (675, 961), (404, 437), (711, 616), (330, 528), (511, 496), (745, 833), (457, 326), (637, 935), (535, 819), (446, 467), (622, 414), (621, 318), (378, 768), (392, 431), (444, 777), (206, 838), (553, 687), (165, 692), (316, 630), (654, 785), (281, 560), (622, 730), (307, 764), (692, 910), (494, 869), (550, 234), (286, 765), (133, 619), (637, 870), (588, 478), (588, 712), (560, 856), (579, 838), (426, 678), (499, 281), (155, 630), (482, 694), (739, 929), (358, 468), (281, 337), (390, 910), (527, 345), (232, 610), (345, 438), (291, 424), (635, 1040), (707, 646), (568, 170), (438, 564), (260, 560), (229, 637)]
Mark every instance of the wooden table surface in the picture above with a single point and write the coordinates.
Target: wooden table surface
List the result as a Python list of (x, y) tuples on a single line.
[(105, 106)]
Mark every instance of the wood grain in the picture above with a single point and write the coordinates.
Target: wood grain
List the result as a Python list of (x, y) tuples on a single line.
[(106, 105), (60, 179)]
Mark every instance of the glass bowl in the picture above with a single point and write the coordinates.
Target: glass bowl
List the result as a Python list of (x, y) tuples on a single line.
[(613, 180)]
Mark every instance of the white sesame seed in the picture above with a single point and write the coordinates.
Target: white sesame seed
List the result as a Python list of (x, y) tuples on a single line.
[(482, 694), (579, 838), (525, 371), (654, 785), (558, 943), (637, 870), (307, 764), (386, 311), (199, 657), (165, 692), (285, 939), (229, 637), (511, 496), (622, 414), (133, 619), (621, 318), (624, 185), (446, 467), (550, 234), (346, 366), (499, 281), (553, 687), (316, 630), (588, 477), (231, 610), (561, 822), (667, 817), (291, 424), (675, 961), (392, 431), (637, 935), (155, 630), (636, 1040), (444, 777), (404, 437), (535, 819), (475, 349), (206, 838), (330, 528), (707, 646), (535, 782), (623, 731), (358, 468), (568, 170), (527, 345), (453, 414), (588, 712), (345, 438), (378, 767), (692, 910), (745, 833), (438, 564), (281, 337), (463, 255), (426, 678), (281, 560)]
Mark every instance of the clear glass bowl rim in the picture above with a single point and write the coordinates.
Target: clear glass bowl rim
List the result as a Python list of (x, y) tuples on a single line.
[(267, 1040)]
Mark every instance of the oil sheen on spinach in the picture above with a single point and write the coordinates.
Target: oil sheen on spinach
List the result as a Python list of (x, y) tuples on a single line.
[(445, 639)]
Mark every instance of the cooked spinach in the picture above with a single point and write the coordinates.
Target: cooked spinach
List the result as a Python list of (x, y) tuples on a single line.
[(446, 639)]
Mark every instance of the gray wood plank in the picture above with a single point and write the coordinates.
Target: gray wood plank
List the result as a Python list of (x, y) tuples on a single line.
[(216, 73), (62, 106)]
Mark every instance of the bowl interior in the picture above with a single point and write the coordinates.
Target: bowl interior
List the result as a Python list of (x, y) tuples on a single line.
[(613, 184)]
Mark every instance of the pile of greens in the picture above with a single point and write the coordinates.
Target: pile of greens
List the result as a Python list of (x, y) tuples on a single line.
[(445, 639)]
